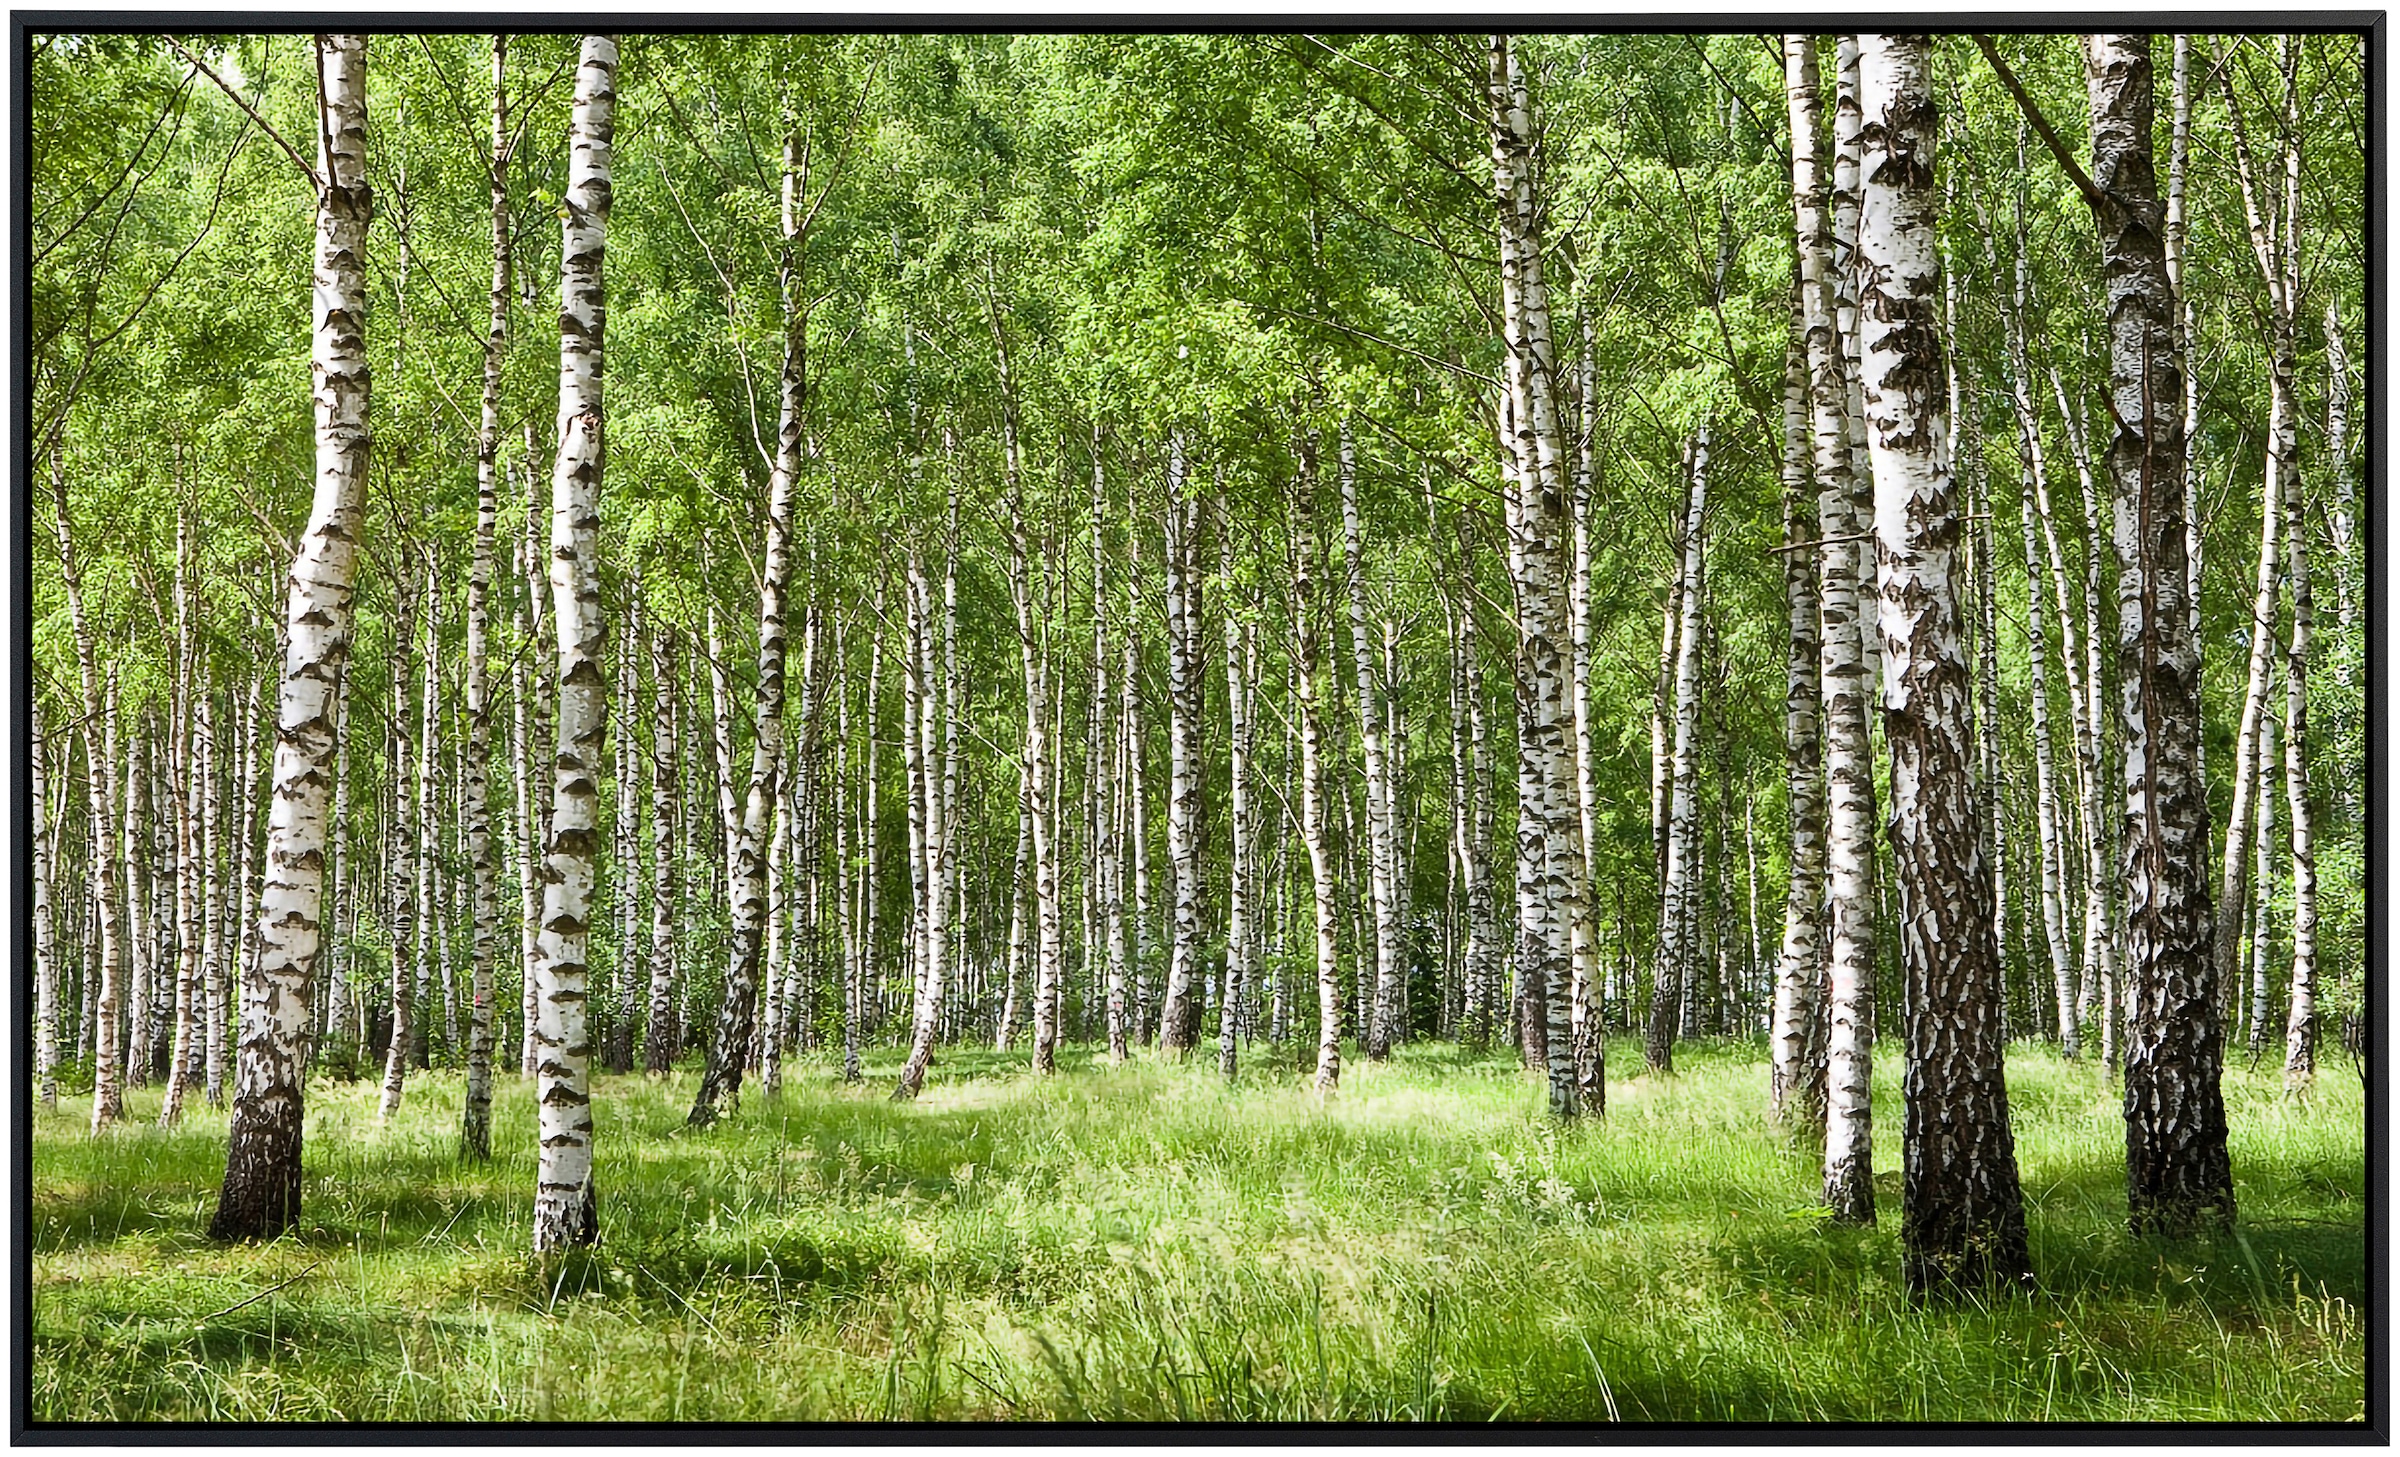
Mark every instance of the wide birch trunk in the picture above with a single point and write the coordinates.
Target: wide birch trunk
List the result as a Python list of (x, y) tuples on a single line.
[(2178, 1176), (1962, 1214)]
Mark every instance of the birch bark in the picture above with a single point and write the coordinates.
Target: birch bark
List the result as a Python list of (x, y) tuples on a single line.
[(1795, 1076), (566, 1209), (1849, 771), (2177, 1173), (260, 1197), (1962, 1215), (1548, 832)]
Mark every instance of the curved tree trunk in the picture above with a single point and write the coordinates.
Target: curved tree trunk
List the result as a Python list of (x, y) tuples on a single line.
[(565, 1209), (1678, 923), (721, 1082), (260, 1197)]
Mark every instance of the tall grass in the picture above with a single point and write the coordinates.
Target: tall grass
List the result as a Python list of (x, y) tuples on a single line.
[(1146, 1243)]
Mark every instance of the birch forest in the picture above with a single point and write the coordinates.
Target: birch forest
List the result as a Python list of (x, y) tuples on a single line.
[(1350, 726)]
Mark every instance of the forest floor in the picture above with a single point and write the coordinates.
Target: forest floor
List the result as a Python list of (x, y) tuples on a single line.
[(1146, 1243)]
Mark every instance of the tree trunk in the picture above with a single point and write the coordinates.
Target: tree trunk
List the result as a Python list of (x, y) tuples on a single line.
[(1312, 772), (534, 692), (1241, 682), (721, 1082), (1672, 973), (2177, 1173), (260, 1197), (1548, 831), (1849, 770), (184, 770), (2262, 916), (666, 821), (400, 850), (2049, 826), (1796, 1039), (425, 873), (1107, 853), (1179, 1018), (475, 1118), (923, 705), (45, 954), (1376, 1035), (1962, 1215), (565, 1209)]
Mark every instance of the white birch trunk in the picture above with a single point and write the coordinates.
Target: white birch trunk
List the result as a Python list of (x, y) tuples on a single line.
[(721, 1083), (475, 1116), (261, 1193), (1677, 925), (1179, 1016), (1795, 1038), (1849, 770), (666, 849), (566, 1209), (1548, 832), (1312, 775), (1377, 1033)]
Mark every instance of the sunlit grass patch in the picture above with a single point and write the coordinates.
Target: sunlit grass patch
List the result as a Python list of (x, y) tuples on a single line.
[(1144, 1242)]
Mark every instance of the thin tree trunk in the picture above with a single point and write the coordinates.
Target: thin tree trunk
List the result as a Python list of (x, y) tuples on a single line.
[(1796, 1039), (721, 1082), (1849, 770), (184, 770), (428, 941), (1241, 680), (565, 1208), (2049, 827), (1019, 934), (923, 705), (1376, 1034), (1312, 772), (475, 1117), (1107, 853), (666, 821), (2263, 910), (1547, 826), (1672, 974), (260, 1197), (1179, 1018), (400, 854)]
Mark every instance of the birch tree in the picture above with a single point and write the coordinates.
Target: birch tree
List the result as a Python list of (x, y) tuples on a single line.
[(721, 1082), (1548, 831), (1849, 771), (260, 1197), (1962, 1215), (566, 1209)]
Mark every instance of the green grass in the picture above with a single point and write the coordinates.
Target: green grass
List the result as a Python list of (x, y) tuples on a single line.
[(1146, 1243)]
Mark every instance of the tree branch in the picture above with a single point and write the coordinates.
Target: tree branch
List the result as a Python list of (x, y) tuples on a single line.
[(197, 64), (2041, 125)]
